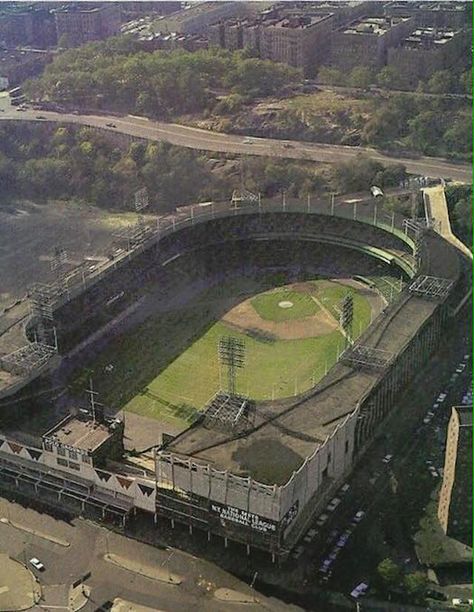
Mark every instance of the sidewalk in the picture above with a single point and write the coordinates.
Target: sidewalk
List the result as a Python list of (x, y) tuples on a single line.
[(439, 211)]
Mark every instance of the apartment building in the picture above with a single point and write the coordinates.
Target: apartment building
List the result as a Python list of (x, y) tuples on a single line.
[(428, 50), (301, 41), (83, 22), (366, 41), (455, 500)]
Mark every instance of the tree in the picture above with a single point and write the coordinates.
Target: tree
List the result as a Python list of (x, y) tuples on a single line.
[(415, 585), (330, 76), (442, 81), (389, 574), (355, 175), (465, 82), (361, 76), (426, 131), (391, 78), (64, 42), (458, 137)]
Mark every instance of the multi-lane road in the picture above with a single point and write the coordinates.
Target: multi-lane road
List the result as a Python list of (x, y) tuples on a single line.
[(196, 138)]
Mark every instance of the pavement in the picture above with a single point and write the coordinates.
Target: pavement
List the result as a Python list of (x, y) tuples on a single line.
[(18, 587), (207, 140), (138, 579), (439, 211)]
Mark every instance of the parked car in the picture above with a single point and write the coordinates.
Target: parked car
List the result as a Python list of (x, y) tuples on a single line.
[(322, 520), (387, 458), (358, 517), (333, 504), (437, 595), (36, 563), (360, 590), (345, 488)]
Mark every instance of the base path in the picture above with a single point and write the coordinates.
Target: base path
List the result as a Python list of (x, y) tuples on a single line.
[(207, 140)]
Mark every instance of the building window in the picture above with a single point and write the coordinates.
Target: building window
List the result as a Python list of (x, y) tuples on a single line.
[(73, 454), (47, 446), (74, 466), (86, 459), (347, 446), (329, 458), (61, 451), (62, 462)]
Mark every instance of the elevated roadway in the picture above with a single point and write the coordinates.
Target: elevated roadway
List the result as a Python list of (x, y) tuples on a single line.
[(207, 140)]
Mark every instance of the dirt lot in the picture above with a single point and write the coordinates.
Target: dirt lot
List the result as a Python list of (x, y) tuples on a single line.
[(29, 233)]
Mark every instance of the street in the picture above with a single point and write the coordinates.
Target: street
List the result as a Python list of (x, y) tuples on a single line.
[(196, 138)]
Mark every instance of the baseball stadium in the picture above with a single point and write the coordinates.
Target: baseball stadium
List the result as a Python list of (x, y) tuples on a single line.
[(271, 341)]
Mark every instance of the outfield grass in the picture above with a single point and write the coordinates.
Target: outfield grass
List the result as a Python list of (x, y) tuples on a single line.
[(266, 305), (167, 368), (330, 294)]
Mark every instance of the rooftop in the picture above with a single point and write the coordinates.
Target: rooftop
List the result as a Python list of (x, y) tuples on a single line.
[(301, 22), (428, 38), (373, 26), (79, 433)]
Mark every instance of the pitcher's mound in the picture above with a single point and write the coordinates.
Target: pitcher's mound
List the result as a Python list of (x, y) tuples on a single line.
[(285, 304)]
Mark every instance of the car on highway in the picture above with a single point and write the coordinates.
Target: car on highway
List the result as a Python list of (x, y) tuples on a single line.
[(287, 145), (42, 117), (457, 601), (111, 125), (248, 141), (36, 563)]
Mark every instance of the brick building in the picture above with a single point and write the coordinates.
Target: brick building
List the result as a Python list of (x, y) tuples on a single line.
[(427, 50), (455, 500), (366, 41), (301, 42), (84, 22)]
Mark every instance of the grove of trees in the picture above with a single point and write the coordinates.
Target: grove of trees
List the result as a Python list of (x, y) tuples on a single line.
[(115, 75)]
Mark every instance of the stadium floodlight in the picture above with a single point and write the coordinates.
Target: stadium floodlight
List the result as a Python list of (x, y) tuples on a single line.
[(346, 316), (142, 200), (231, 353), (59, 259)]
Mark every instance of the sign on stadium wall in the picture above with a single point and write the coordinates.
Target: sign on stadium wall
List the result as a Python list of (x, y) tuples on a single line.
[(251, 520), (244, 518)]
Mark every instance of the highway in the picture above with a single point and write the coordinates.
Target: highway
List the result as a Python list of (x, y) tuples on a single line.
[(206, 140)]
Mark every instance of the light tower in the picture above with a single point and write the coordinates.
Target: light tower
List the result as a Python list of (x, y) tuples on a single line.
[(231, 353), (346, 316)]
